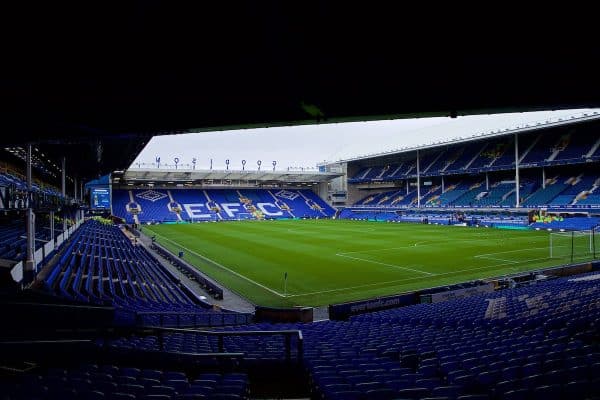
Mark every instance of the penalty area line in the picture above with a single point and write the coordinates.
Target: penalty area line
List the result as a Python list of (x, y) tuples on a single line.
[(387, 265), (410, 279)]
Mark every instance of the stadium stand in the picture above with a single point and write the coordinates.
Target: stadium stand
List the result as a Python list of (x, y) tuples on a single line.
[(156, 205), (12, 179), (565, 187), (544, 196), (13, 242), (571, 224), (560, 191), (102, 266), (515, 343), (93, 381)]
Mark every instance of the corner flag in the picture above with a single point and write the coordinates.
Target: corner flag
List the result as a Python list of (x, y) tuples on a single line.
[(285, 283)]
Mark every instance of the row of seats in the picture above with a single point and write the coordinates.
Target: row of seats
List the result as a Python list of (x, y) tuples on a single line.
[(13, 240), (538, 341), (158, 205), (553, 148), (432, 217), (102, 266), (570, 224), (113, 382), (559, 191), (399, 198), (8, 179)]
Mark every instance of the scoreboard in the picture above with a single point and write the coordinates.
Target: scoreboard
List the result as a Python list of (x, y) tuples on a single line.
[(100, 199)]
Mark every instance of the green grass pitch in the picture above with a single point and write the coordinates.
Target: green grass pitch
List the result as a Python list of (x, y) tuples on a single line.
[(330, 261)]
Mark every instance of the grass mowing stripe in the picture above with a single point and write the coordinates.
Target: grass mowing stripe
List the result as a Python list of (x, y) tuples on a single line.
[(225, 268), (392, 257)]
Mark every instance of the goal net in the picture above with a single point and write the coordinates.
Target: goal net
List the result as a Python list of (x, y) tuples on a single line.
[(244, 216), (575, 245)]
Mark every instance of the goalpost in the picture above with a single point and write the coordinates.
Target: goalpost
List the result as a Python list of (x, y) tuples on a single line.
[(575, 245), (244, 216)]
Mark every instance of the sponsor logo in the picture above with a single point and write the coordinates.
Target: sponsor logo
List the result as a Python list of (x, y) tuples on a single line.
[(286, 194), (151, 195)]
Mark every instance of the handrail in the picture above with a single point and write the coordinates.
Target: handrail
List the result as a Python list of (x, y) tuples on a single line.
[(220, 334), (217, 355), (14, 346)]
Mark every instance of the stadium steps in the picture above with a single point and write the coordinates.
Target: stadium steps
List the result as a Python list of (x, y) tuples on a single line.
[(553, 155), (208, 199), (282, 205), (389, 197), (383, 171), (432, 162), (466, 167), (410, 168), (364, 175), (590, 196), (575, 148), (135, 217), (395, 171), (468, 197), (451, 193), (544, 196), (595, 147), (172, 201), (430, 194), (451, 160), (502, 155), (559, 146), (528, 150)]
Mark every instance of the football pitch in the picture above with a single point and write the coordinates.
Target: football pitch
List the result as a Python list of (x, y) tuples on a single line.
[(329, 261)]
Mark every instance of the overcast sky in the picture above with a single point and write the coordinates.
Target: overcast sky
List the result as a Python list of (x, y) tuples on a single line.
[(307, 145)]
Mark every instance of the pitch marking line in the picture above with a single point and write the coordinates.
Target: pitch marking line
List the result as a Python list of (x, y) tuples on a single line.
[(397, 280), (388, 265), (380, 250), (419, 277), (488, 256), (416, 244), (226, 269), (424, 243)]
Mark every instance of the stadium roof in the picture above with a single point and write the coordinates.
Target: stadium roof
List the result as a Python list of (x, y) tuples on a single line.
[(122, 72), (136, 176), (523, 128)]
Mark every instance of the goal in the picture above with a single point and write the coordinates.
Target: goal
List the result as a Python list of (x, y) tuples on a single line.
[(574, 245), (244, 216)]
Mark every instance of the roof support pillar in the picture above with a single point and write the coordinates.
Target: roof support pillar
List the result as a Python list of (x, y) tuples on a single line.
[(29, 269), (52, 227), (543, 177), (64, 191), (517, 183), (63, 171), (418, 181)]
